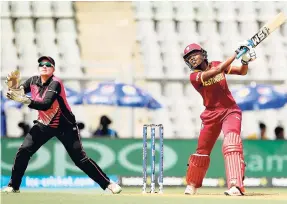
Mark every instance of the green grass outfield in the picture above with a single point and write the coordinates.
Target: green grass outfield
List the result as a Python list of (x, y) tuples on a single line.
[(134, 196)]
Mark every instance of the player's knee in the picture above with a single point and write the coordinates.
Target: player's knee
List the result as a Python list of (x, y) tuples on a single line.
[(204, 147), (198, 160), (203, 151), (27, 148), (24, 152), (80, 159), (234, 130), (232, 143)]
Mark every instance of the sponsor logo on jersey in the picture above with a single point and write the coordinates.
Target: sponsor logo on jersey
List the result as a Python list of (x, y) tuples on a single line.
[(214, 80), (197, 76), (237, 118), (202, 126)]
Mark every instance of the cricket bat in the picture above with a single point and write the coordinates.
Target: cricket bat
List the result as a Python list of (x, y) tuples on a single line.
[(264, 32)]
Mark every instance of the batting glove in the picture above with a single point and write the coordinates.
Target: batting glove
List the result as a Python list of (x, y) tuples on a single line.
[(249, 56), (242, 45)]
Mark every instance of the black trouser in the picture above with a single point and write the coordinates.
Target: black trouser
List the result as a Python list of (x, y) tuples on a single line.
[(39, 135)]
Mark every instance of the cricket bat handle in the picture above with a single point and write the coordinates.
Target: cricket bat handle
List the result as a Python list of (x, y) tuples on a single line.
[(242, 52)]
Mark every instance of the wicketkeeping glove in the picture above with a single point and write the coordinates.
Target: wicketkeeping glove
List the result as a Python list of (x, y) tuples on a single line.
[(13, 80), (18, 95)]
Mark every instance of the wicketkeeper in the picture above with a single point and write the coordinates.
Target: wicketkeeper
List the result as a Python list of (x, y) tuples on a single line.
[(55, 119), (221, 113)]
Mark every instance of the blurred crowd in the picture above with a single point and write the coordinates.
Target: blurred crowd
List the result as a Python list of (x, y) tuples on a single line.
[(103, 130), (261, 135)]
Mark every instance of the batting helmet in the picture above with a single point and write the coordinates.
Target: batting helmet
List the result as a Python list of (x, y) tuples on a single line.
[(191, 48)]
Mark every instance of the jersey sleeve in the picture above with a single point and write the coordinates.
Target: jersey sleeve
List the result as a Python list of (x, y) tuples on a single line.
[(50, 96), (26, 85), (228, 70), (216, 63), (196, 79)]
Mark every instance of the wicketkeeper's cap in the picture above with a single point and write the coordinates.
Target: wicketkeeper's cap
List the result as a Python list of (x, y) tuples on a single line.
[(50, 59)]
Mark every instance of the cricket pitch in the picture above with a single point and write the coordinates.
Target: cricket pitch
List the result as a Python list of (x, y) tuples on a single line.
[(134, 196)]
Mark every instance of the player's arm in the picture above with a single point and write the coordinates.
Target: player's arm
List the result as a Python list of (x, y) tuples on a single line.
[(50, 96), (226, 65), (26, 85), (237, 70), (222, 67), (18, 93), (249, 56)]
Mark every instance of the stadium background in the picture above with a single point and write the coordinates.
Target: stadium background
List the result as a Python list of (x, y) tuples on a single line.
[(141, 43)]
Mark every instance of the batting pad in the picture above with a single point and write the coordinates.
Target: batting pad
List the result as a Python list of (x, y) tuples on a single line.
[(197, 167), (234, 161)]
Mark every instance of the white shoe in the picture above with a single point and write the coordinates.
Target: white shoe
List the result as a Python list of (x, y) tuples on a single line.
[(234, 191), (190, 190), (114, 188), (10, 189)]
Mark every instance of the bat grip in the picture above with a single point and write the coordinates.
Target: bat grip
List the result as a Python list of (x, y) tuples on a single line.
[(243, 51)]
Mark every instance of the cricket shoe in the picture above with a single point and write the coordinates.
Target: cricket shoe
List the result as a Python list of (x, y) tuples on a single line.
[(190, 190), (10, 189), (234, 191), (114, 188)]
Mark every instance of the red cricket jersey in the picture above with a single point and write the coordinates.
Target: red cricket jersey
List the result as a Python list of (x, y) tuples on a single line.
[(214, 91)]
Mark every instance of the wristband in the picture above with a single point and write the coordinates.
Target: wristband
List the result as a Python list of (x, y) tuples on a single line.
[(244, 62)]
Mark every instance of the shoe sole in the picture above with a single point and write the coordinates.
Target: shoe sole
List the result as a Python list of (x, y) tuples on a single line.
[(118, 192), (189, 193), (10, 192), (227, 194)]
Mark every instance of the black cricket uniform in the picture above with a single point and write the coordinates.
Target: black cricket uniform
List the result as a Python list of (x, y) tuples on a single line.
[(55, 119)]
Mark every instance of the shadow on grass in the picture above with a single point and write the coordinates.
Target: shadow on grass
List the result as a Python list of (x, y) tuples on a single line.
[(245, 195), (261, 194)]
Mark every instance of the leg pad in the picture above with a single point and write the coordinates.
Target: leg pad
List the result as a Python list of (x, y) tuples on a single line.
[(232, 150), (197, 168)]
